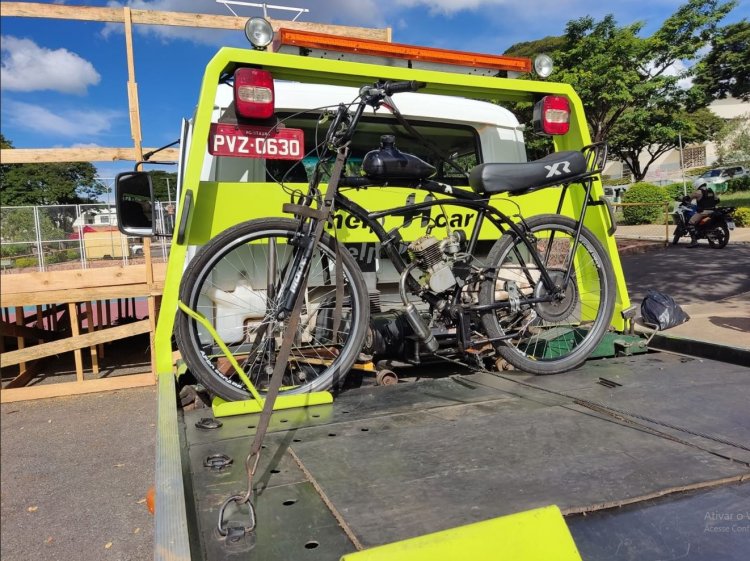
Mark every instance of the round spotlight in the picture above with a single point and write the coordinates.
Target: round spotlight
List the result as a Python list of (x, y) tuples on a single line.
[(543, 66), (259, 32)]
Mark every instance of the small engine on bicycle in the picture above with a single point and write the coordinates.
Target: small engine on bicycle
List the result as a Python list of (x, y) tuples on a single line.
[(405, 334), (436, 259)]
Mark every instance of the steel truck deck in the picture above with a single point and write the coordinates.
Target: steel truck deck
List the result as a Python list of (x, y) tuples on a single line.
[(650, 448)]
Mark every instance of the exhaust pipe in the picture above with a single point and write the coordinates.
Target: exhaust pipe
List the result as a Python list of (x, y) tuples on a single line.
[(413, 316)]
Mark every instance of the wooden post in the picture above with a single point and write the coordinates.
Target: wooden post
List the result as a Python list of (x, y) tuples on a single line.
[(109, 312), (73, 310), (54, 317), (99, 326), (135, 127), (21, 343), (90, 327)]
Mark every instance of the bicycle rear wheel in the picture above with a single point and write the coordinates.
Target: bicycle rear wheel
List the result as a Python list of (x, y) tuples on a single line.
[(548, 337), (234, 283)]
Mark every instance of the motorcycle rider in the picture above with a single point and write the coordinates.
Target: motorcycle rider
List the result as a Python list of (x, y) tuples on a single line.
[(705, 201)]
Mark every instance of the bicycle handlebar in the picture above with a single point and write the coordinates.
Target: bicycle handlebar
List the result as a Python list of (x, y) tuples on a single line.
[(391, 88)]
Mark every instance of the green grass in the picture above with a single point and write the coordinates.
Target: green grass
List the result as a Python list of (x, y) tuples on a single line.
[(738, 199)]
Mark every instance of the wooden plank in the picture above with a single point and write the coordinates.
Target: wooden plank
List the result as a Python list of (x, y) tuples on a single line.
[(178, 19), (76, 388), (77, 279), (75, 330), (57, 11), (52, 155), (13, 330), (24, 378), (80, 295), (76, 342)]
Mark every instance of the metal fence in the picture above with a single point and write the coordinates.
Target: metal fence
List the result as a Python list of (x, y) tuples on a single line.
[(55, 237)]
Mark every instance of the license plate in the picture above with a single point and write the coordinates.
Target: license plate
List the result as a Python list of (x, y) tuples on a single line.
[(730, 224), (245, 141)]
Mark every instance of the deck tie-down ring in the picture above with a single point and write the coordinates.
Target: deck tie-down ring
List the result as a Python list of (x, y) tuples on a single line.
[(208, 423), (218, 461), (236, 532)]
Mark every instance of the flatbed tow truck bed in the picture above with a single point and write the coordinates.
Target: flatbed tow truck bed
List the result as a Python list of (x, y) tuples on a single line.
[(647, 457)]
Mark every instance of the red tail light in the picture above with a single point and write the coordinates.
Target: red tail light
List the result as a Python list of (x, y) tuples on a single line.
[(253, 93), (552, 115)]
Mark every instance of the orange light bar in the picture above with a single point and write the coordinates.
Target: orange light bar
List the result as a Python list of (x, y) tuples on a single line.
[(309, 40)]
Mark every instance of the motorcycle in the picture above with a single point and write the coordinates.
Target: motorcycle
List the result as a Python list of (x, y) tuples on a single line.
[(714, 227)]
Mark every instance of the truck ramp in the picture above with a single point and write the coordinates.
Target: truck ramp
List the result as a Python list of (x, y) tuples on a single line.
[(645, 456)]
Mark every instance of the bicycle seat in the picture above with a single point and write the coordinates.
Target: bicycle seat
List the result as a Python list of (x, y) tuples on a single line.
[(554, 169)]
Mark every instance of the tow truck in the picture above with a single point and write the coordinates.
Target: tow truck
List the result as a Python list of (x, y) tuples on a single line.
[(618, 459)]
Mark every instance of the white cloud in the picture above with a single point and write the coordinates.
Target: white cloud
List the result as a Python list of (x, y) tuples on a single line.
[(70, 123), (680, 69), (27, 67)]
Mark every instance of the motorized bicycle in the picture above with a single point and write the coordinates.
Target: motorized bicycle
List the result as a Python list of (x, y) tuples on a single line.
[(714, 227), (542, 298)]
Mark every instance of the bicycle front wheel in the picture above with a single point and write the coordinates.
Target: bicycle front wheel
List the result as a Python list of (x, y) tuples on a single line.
[(558, 335), (235, 281)]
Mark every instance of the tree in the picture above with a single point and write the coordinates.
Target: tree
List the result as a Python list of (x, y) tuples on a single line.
[(615, 71), (733, 140), (165, 185), (646, 133), (548, 45), (725, 70), (48, 184), (626, 82)]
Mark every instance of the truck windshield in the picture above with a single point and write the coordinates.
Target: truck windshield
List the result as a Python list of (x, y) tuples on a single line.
[(457, 142)]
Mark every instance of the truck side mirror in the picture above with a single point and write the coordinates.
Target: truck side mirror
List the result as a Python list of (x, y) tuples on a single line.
[(135, 203)]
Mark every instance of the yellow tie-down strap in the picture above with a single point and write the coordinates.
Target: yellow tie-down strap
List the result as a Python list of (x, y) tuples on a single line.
[(535, 535)]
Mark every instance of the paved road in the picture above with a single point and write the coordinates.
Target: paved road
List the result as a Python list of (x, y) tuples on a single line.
[(74, 476), (689, 275)]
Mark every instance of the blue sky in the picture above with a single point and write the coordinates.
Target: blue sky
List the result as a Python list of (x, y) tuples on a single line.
[(63, 82)]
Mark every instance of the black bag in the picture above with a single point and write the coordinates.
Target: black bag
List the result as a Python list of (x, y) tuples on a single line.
[(661, 310)]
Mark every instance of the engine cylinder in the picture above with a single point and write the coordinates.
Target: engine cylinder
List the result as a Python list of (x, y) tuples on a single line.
[(426, 252)]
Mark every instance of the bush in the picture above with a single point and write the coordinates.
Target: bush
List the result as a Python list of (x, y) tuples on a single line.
[(644, 193), (675, 190), (742, 217), (739, 184), (11, 250), (23, 262)]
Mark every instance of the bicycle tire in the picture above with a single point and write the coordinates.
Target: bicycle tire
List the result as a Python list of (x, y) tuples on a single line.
[(227, 283), (558, 336)]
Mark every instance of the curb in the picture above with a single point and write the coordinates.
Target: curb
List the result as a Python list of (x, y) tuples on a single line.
[(700, 349), (635, 247), (666, 243)]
